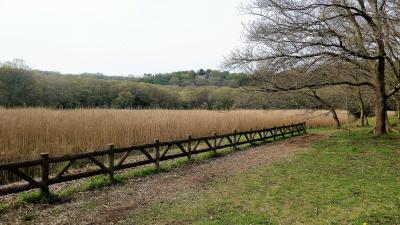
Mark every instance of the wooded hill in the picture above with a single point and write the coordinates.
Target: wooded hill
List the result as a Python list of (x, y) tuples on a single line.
[(208, 89), (200, 78), (204, 89)]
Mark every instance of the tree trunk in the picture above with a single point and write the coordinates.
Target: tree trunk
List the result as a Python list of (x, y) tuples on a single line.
[(362, 117), (398, 109), (328, 106), (362, 107), (335, 117), (388, 126), (380, 95)]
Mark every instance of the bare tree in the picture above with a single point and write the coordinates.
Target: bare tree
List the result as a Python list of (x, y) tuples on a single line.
[(363, 34), (358, 96), (317, 98), (325, 104)]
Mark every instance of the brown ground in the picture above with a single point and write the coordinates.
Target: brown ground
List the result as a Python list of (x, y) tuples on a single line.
[(112, 204)]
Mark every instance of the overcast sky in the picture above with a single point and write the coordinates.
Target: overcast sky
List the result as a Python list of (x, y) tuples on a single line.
[(119, 37)]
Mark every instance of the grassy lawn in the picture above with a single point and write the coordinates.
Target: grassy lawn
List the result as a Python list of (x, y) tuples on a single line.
[(345, 179)]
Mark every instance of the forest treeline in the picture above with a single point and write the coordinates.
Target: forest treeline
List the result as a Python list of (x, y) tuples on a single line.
[(21, 86), (180, 78), (199, 78), (207, 89)]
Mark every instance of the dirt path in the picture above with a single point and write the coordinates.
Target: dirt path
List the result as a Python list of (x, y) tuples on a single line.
[(112, 204)]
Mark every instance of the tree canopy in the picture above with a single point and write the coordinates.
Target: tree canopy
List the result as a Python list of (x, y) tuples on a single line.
[(362, 35)]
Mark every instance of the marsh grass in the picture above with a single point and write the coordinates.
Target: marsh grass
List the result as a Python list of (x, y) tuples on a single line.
[(27, 132), (141, 126)]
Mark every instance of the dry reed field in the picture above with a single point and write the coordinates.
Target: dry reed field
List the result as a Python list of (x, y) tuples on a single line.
[(26, 132)]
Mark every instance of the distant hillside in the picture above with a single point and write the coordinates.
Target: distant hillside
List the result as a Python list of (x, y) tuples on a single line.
[(21, 86), (204, 89), (181, 78), (199, 78)]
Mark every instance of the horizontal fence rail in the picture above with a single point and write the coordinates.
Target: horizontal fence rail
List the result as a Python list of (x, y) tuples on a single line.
[(153, 153)]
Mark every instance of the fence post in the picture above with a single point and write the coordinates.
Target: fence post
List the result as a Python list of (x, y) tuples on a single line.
[(157, 159), (189, 147), (234, 140), (45, 173), (291, 130), (215, 142), (111, 163)]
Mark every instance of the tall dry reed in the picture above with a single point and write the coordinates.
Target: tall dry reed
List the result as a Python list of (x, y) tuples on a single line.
[(25, 133)]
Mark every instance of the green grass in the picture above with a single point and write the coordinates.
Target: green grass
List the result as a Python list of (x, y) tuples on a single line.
[(319, 129), (3, 208), (346, 179), (37, 197)]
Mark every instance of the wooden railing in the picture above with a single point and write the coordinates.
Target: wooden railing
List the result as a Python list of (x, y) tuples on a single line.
[(151, 153)]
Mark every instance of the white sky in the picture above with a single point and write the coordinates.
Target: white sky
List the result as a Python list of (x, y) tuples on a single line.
[(119, 37)]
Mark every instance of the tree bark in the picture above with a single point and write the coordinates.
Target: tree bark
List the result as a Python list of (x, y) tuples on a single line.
[(362, 107), (335, 117), (380, 106), (388, 126), (398, 109), (328, 106), (362, 117)]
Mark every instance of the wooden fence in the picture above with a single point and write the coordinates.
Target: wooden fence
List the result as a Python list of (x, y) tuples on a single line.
[(152, 153)]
